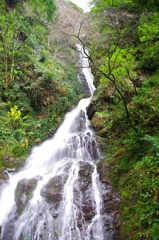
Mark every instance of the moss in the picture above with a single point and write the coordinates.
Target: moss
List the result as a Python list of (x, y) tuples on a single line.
[(23, 238), (23, 193), (120, 152), (99, 120)]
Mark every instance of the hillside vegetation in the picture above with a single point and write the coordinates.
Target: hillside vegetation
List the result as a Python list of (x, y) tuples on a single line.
[(38, 75), (124, 54), (39, 84)]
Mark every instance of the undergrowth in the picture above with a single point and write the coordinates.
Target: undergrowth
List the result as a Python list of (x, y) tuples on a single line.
[(133, 158)]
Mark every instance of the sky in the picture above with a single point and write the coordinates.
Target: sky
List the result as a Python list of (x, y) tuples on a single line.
[(82, 4)]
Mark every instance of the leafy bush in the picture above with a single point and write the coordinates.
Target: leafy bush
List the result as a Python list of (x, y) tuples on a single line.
[(148, 34)]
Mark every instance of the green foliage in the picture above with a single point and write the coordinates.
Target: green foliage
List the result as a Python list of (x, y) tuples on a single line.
[(50, 8), (148, 33), (122, 5), (130, 5), (14, 113), (135, 160), (121, 61), (43, 9), (36, 89), (149, 5), (126, 47)]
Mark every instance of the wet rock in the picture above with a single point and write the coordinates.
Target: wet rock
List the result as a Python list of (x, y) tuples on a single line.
[(55, 215), (79, 124), (10, 170), (24, 192), (8, 228), (88, 208), (52, 192), (85, 184), (84, 83), (37, 141), (91, 146), (75, 142), (111, 203), (88, 144), (2, 182), (85, 176), (91, 110)]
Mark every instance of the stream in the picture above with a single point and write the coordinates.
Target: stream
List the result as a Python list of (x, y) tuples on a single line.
[(59, 193)]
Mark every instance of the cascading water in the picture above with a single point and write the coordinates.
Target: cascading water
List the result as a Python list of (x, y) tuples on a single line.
[(57, 193)]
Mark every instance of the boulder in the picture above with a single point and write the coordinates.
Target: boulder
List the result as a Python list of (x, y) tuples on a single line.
[(52, 191), (24, 192)]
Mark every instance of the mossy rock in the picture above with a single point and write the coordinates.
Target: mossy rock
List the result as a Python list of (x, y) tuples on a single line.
[(37, 140), (52, 192), (85, 175), (24, 192), (120, 152)]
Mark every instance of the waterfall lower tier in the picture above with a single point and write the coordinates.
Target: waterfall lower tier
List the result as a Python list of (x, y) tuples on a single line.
[(61, 193)]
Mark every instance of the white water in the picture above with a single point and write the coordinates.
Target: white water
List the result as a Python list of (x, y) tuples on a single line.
[(86, 69), (65, 156)]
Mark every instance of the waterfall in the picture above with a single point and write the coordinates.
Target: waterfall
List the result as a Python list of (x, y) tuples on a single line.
[(57, 195)]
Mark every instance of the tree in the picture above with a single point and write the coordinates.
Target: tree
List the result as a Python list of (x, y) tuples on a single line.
[(111, 77), (109, 53)]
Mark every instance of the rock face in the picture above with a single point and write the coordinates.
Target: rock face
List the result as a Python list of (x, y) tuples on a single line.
[(111, 203), (85, 185), (80, 121), (83, 81), (23, 192), (82, 198), (91, 109), (52, 192), (9, 227), (91, 145)]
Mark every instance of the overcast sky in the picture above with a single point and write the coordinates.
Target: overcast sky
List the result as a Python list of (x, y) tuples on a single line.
[(82, 4)]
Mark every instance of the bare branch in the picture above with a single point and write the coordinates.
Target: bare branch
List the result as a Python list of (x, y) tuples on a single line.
[(132, 80), (80, 29), (109, 76)]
